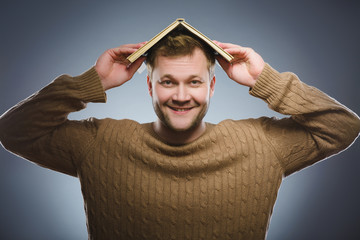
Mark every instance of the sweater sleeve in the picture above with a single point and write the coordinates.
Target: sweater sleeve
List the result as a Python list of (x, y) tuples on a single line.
[(37, 128), (318, 127)]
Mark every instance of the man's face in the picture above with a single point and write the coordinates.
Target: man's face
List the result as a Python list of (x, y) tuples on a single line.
[(181, 88)]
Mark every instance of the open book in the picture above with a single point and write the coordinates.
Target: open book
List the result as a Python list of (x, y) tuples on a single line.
[(180, 22)]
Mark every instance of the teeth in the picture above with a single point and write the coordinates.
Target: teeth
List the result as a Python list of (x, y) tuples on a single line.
[(181, 109)]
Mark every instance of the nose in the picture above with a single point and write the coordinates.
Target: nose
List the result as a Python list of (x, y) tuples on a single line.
[(181, 94)]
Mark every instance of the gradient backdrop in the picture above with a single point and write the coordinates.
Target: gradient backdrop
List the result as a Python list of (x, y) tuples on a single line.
[(318, 40)]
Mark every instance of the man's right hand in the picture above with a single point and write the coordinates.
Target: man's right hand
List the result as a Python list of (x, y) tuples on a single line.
[(113, 67)]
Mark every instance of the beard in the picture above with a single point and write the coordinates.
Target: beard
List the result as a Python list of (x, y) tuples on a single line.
[(167, 122)]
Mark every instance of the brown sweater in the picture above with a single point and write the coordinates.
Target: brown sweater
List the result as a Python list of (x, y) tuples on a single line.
[(221, 186)]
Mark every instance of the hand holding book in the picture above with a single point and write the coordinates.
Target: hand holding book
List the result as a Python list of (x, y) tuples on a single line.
[(113, 67), (117, 66), (243, 65), (246, 66)]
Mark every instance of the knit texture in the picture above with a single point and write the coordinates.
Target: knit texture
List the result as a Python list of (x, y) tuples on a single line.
[(223, 185)]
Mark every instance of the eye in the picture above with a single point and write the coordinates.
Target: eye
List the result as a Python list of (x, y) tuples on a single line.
[(195, 83), (166, 83)]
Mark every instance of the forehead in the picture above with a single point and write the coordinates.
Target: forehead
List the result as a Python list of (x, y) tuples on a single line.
[(196, 63)]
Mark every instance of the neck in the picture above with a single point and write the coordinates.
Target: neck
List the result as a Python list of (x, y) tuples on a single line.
[(178, 137)]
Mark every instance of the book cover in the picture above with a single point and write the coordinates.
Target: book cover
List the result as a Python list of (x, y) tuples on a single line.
[(179, 23)]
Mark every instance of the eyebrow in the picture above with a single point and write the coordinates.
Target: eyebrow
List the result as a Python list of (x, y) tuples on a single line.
[(173, 78)]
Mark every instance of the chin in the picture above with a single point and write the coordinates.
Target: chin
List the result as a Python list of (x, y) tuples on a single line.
[(179, 128), (182, 127)]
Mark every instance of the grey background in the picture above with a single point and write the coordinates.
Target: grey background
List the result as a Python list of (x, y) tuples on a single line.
[(318, 40)]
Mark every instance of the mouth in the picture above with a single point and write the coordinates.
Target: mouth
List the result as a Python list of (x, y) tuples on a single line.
[(180, 110)]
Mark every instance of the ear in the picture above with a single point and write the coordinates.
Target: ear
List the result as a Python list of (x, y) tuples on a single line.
[(149, 85), (212, 86)]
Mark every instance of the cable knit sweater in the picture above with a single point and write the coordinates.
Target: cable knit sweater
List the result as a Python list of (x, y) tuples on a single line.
[(223, 185)]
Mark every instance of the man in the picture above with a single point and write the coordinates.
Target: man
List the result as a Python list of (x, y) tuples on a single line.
[(179, 177)]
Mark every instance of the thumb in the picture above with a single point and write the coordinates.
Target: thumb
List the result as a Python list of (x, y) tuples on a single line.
[(223, 63), (133, 67)]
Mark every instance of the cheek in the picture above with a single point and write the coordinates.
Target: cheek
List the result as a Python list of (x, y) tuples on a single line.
[(161, 94), (201, 95)]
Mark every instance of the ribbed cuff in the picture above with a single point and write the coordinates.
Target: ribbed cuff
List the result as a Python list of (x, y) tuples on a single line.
[(90, 86), (267, 85)]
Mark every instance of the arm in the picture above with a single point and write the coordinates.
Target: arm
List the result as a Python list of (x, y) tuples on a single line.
[(38, 129), (319, 126)]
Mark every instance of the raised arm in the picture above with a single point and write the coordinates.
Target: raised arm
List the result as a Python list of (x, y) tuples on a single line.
[(319, 126), (38, 129)]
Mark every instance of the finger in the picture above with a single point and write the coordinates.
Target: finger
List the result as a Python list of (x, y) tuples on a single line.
[(227, 45), (133, 45), (128, 48), (133, 67), (123, 51), (216, 42), (120, 55), (223, 63), (237, 51)]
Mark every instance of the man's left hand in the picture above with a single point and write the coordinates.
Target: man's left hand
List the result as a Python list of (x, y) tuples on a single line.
[(246, 66)]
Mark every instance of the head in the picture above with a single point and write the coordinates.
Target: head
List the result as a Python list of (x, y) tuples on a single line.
[(181, 81), (176, 44)]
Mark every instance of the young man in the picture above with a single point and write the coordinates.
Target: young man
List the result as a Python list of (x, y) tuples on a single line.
[(179, 177)]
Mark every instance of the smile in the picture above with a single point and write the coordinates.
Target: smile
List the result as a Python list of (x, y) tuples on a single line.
[(180, 109)]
